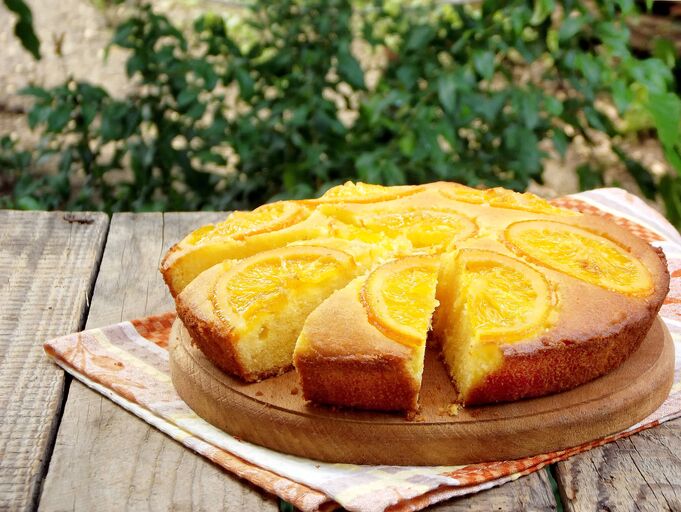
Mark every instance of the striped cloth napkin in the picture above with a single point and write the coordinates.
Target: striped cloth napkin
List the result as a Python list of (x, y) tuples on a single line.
[(128, 363)]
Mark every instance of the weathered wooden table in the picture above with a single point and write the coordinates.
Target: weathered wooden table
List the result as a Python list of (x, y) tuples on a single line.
[(65, 447)]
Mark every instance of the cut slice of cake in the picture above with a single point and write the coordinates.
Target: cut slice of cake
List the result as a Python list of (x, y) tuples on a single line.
[(364, 346), (246, 315), (487, 300)]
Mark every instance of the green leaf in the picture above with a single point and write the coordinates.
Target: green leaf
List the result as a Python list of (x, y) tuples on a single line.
[(38, 115), (553, 105), (644, 178), (134, 64), (529, 109), (246, 84), (664, 50), (29, 203), (589, 177), (89, 111), (408, 75), (560, 141), (187, 97), (419, 37), (570, 27), (670, 190), (367, 168), (542, 10), (349, 69), (598, 120), (23, 28), (37, 92), (590, 66), (196, 111), (666, 112), (621, 95), (446, 93), (58, 118), (483, 60)]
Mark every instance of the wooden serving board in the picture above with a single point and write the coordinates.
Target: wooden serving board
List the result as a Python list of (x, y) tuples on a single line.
[(272, 413)]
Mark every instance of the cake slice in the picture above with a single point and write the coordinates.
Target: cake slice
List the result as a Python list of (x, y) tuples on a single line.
[(246, 315), (364, 346), (488, 300)]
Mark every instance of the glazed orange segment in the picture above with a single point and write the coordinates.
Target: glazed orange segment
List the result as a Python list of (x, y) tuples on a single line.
[(462, 193), (424, 228), (240, 225), (261, 283), (504, 198), (581, 254), (399, 298), (506, 299), (364, 193)]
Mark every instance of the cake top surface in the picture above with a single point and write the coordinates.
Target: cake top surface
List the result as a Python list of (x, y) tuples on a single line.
[(522, 258)]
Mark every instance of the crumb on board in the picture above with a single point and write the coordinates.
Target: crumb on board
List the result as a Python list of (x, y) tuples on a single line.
[(294, 391), (258, 393), (450, 410), (414, 416)]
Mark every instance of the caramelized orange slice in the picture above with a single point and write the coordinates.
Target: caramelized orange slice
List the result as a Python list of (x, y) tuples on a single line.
[(399, 298), (504, 198), (462, 193), (581, 254), (360, 192), (505, 299), (434, 229), (264, 219), (262, 282)]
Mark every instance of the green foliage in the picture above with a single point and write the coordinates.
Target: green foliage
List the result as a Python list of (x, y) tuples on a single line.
[(277, 105), (589, 177), (23, 27)]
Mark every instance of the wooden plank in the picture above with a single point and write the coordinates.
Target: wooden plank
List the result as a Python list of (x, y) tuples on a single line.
[(532, 492), (48, 262), (641, 472), (105, 458)]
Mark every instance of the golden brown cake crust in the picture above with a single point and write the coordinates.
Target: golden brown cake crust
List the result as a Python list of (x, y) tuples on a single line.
[(369, 382), (166, 262)]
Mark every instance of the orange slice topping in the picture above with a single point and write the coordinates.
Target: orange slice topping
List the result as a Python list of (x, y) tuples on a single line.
[(262, 282), (425, 228), (505, 299), (264, 219), (581, 254), (503, 198), (399, 298), (462, 193), (364, 193)]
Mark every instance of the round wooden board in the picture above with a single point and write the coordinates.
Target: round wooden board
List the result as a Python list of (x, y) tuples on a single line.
[(272, 413)]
